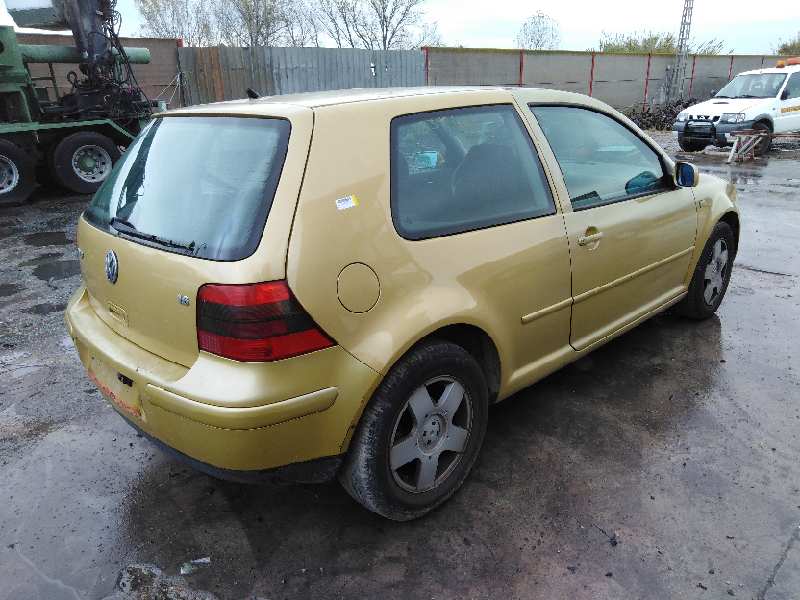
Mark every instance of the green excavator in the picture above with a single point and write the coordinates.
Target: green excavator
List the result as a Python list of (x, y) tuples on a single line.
[(71, 139)]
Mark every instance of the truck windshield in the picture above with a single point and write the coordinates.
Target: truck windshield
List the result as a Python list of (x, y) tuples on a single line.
[(201, 186), (757, 85)]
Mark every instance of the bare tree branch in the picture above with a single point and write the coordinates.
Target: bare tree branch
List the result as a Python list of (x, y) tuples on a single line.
[(375, 24), (190, 20)]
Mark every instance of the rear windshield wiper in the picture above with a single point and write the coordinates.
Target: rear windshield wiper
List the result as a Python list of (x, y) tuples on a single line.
[(749, 96), (128, 228)]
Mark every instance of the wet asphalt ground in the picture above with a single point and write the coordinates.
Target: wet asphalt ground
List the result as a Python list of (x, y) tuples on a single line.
[(664, 465)]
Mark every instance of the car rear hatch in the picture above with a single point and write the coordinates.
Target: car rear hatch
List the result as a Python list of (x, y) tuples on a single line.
[(199, 197)]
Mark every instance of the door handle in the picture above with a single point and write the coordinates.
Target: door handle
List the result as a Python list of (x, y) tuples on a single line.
[(585, 240)]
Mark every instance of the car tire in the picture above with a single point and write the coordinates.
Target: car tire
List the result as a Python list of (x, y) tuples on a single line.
[(17, 173), (691, 145), (764, 145), (711, 275), (83, 160), (403, 430)]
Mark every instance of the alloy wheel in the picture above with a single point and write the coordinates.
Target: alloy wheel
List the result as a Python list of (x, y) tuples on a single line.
[(716, 272), (430, 435)]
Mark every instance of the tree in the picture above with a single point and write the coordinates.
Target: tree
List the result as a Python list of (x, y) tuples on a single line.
[(428, 36), (654, 42), (790, 47), (392, 22), (300, 27), (249, 23), (190, 20), (539, 32), (376, 24), (342, 21)]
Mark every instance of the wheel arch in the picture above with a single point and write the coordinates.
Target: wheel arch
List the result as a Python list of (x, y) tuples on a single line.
[(477, 343), (732, 219), (52, 137), (766, 119)]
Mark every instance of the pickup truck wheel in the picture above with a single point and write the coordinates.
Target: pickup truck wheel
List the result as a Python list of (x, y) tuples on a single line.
[(711, 276), (691, 145), (765, 144), (420, 434), (83, 160), (17, 173)]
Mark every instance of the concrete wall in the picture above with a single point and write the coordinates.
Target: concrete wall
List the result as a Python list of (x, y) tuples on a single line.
[(156, 79), (622, 80)]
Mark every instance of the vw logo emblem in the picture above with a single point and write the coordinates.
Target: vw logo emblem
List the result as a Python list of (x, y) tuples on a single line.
[(112, 266)]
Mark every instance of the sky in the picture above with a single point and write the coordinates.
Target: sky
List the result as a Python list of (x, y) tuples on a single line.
[(494, 24)]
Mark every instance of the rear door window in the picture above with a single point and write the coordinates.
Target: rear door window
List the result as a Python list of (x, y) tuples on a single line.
[(602, 161), (201, 186), (462, 169)]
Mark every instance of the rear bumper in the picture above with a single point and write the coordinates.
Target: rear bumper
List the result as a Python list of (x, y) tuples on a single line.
[(318, 470), (225, 415), (719, 134)]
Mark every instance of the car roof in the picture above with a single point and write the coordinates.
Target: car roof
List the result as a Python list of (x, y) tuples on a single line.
[(786, 69), (289, 103)]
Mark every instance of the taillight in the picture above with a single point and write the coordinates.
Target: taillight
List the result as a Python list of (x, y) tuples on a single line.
[(255, 323)]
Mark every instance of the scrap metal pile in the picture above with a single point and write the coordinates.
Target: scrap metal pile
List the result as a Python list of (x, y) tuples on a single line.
[(659, 116)]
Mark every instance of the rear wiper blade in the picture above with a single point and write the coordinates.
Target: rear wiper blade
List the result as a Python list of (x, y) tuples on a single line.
[(128, 228)]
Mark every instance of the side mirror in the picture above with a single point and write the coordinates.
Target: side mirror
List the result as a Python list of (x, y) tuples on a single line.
[(785, 94), (686, 174)]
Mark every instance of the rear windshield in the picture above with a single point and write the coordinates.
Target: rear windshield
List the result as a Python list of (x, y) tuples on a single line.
[(201, 186)]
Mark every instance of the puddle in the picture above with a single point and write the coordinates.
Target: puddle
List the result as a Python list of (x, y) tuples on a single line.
[(39, 260), (47, 238), (60, 269), (46, 308), (9, 289)]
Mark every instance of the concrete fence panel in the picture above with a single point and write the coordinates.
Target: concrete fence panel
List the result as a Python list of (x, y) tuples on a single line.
[(707, 75), (748, 63), (619, 78), (560, 71), (464, 66)]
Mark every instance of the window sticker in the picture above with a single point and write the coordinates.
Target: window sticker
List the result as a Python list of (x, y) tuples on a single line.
[(346, 202)]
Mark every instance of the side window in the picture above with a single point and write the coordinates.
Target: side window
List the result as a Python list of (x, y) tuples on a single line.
[(793, 86), (602, 160), (463, 169)]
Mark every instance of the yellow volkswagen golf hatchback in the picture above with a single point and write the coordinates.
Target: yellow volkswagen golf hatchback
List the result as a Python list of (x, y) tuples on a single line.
[(341, 283)]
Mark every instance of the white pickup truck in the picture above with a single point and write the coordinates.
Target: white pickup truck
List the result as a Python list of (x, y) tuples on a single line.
[(764, 99)]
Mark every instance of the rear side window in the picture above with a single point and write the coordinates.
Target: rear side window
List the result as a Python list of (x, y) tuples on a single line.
[(201, 186), (463, 169), (602, 161)]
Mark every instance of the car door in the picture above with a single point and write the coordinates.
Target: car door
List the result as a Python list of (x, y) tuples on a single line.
[(631, 230), (470, 191), (788, 118)]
